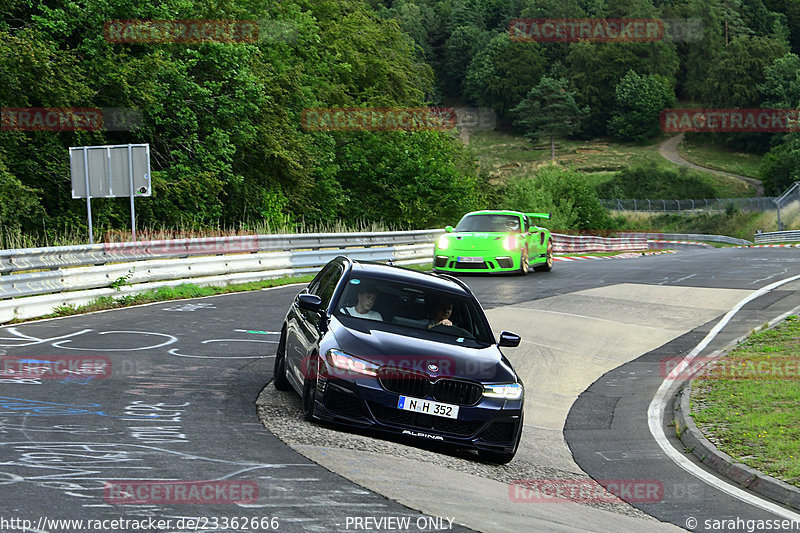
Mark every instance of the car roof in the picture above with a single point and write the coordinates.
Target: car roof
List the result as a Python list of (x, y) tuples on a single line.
[(495, 212), (386, 272)]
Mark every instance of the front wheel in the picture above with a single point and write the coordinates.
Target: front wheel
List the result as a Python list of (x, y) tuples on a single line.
[(279, 371), (548, 264), (309, 398), (524, 262)]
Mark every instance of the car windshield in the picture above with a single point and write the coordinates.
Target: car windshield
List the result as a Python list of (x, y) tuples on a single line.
[(495, 223), (419, 308)]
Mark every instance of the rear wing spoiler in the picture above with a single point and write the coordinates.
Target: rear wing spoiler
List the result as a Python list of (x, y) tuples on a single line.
[(538, 215)]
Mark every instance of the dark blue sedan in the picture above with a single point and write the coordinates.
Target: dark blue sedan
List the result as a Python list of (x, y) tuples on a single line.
[(395, 350)]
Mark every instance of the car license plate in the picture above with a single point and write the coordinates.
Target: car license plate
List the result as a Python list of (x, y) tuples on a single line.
[(427, 407), (470, 259)]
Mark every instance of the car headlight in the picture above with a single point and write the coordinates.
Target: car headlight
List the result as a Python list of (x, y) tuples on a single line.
[(344, 361), (512, 391), (510, 243), (443, 243)]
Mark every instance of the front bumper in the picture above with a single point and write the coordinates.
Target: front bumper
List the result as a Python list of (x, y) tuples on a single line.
[(491, 424), (501, 262)]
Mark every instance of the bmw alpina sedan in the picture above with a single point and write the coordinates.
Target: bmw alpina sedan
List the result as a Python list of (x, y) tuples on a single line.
[(398, 351)]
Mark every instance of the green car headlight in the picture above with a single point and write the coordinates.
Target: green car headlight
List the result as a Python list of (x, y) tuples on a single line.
[(443, 243), (512, 391)]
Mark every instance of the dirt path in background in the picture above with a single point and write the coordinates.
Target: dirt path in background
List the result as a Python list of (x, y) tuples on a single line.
[(669, 151)]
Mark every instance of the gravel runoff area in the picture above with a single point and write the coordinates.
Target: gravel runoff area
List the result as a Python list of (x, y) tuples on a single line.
[(280, 413)]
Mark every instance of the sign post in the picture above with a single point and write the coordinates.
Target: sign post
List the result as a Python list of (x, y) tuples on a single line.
[(109, 172)]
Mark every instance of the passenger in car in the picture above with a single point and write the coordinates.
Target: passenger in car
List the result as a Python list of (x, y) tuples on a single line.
[(367, 296)]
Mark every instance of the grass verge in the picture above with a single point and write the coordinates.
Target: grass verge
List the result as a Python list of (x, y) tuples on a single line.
[(735, 224), (179, 292), (506, 156), (710, 155), (748, 404)]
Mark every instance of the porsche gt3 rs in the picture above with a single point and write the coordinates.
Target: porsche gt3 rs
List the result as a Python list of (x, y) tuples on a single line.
[(495, 242)]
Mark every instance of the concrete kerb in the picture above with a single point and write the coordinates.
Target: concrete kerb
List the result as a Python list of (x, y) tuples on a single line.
[(746, 477), (696, 442)]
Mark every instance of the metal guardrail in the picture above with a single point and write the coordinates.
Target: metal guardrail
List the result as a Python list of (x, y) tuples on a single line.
[(691, 237), (587, 243), (776, 237), (44, 291), (705, 205), (56, 257)]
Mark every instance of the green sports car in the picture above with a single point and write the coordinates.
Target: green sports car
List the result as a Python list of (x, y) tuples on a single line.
[(495, 241)]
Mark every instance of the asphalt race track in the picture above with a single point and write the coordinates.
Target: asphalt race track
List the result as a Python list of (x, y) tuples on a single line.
[(179, 405)]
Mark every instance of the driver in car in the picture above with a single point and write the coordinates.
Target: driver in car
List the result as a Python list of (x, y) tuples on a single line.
[(441, 314)]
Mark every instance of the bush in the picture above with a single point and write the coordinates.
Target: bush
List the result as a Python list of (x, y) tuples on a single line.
[(572, 203), (653, 181)]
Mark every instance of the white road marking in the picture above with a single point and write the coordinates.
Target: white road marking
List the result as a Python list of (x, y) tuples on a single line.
[(660, 401)]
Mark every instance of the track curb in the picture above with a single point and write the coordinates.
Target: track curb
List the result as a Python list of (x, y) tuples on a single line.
[(708, 454)]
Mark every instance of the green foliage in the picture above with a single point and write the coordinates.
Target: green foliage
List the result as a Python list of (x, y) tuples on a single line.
[(503, 73), (549, 110), (653, 181), (564, 193), (596, 68), (19, 205), (639, 101), (459, 50), (735, 75), (781, 87), (781, 166), (415, 180)]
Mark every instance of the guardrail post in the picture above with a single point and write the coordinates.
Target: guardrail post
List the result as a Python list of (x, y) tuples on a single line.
[(665, 205), (679, 206), (634, 205), (648, 205)]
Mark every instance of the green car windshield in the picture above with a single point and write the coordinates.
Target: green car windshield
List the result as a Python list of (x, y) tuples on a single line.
[(489, 223)]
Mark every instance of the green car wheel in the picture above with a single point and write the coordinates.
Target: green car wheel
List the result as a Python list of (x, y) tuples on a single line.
[(524, 263), (548, 264)]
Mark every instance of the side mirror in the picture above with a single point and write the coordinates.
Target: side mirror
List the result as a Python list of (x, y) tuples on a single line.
[(310, 302), (509, 339), (449, 229)]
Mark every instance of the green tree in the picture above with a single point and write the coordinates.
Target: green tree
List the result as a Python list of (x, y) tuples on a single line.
[(461, 47), (780, 167), (504, 72), (639, 101), (737, 72), (549, 110), (418, 180), (596, 68), (781, 87)]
